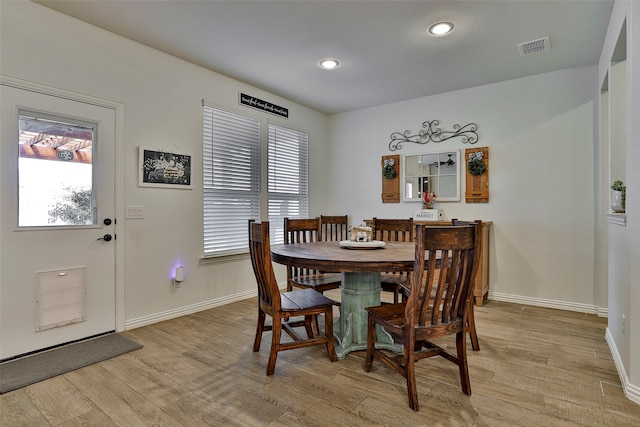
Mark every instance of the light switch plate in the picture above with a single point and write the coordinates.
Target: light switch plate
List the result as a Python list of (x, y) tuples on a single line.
[(134, 212)]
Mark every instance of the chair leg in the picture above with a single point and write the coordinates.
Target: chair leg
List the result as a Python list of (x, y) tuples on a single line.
[(276, 333), (308, 325), (314, 325), (471, 324), (410, 372), (461, 346), (328, 330), (259, 330), (371, 339)]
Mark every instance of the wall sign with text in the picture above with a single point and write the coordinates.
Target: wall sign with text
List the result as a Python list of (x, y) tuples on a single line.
[(259, 104)]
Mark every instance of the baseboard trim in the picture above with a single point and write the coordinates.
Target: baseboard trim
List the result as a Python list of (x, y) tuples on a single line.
[(193, 308), (547, 303), (631, 391), (189, 309), (497, 296)]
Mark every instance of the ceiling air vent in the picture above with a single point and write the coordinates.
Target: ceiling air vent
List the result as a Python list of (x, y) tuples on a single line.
[(534, 46)]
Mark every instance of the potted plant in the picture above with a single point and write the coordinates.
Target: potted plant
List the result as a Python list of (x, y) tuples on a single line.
[(618, 196)]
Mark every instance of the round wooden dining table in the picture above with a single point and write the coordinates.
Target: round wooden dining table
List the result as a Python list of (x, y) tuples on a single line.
[(360, 286)]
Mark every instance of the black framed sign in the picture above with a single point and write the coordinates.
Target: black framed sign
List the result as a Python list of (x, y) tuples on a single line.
[(164, 169), (259, 104)]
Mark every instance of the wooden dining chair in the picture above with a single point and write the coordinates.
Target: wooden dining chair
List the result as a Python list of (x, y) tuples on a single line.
[(393, 230), (470, 322), (303, 231), (334, 228), (282, 306), (450, 255)]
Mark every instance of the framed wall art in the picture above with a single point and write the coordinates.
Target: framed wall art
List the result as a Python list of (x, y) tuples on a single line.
[(163, 169)]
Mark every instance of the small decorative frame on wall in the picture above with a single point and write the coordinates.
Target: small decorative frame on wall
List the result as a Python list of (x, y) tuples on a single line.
[(477, 182), (163, 169)]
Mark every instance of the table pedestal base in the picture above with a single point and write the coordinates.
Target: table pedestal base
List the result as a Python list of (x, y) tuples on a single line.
[(358, 291)]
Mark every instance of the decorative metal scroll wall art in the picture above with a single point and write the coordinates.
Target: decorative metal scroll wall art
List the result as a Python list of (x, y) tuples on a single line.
[(430, 132)]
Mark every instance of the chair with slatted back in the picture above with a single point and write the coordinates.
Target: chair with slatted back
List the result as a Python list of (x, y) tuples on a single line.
[(282, 306), (334, 228), (443, 268), (303, 230), (393, 230), (471, 321)]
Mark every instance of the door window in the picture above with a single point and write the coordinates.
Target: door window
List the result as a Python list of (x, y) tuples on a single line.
[(55, 171)]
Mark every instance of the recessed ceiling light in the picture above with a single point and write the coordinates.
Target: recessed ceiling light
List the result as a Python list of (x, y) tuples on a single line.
[(440, 28), (329, 63)]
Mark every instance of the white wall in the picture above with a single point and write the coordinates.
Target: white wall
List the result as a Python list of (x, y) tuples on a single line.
[(624, 240), (540, 134), (162, 98)]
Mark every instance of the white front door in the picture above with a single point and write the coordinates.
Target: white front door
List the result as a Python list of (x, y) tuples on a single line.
[(57, 268)]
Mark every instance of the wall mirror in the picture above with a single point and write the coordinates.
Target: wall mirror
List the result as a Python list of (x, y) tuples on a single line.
[(427, 172)]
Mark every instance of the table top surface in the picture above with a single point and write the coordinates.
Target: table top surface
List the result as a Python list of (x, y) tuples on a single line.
[(331, 257)]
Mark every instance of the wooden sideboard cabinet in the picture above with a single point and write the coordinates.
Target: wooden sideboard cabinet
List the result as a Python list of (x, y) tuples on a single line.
[(481, 286)]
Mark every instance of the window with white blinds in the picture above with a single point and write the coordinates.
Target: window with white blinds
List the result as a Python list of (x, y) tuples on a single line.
[(231, 180), (288, 178)]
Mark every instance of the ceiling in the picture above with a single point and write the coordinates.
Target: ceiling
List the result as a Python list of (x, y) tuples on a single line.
[(383, 46)]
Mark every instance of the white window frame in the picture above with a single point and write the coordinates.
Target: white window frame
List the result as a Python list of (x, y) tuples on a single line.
[(231, 180), (438, 171), (288, 178)]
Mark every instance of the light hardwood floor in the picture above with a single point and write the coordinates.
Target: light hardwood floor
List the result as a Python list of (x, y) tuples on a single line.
[(536, 367)]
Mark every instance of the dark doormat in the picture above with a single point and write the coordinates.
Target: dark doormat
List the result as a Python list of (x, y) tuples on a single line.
[(31, 369)]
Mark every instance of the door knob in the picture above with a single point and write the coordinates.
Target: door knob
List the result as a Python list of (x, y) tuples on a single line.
[(107, 221), (106, 237)]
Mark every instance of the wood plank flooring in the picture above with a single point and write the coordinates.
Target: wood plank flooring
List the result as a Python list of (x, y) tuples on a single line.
[(536, 367)]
